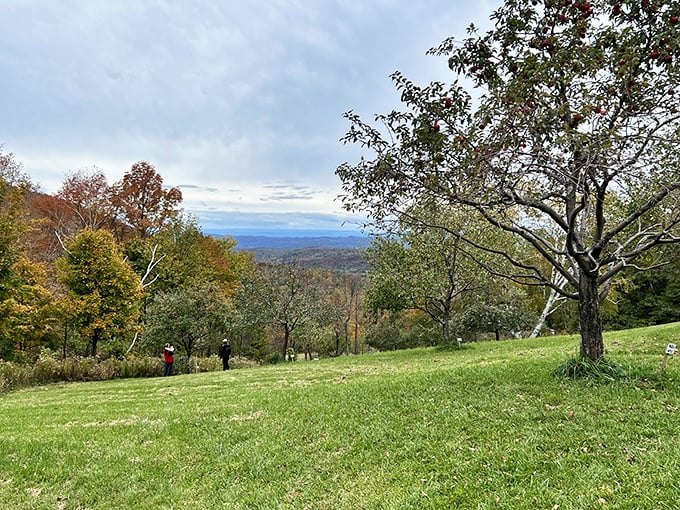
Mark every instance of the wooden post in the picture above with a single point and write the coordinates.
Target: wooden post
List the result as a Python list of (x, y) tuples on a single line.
[(670, 350)]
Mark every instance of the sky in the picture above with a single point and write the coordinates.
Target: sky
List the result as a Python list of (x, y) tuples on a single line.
[(239, 104)]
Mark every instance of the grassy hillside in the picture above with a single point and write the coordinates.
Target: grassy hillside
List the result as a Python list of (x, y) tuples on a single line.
[(487, 426)]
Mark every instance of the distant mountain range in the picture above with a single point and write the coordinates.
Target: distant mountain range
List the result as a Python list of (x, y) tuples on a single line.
[(333, 252), (343, 260), (263, 242), (323, 249)]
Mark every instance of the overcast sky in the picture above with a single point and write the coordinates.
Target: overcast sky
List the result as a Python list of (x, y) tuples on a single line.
[(237, 103)]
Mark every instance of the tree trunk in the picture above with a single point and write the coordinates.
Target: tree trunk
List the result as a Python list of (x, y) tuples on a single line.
[(356, 336), (446, 331), (286, 339), (592, 345), (96, 335), (346, 333), (547, 310)]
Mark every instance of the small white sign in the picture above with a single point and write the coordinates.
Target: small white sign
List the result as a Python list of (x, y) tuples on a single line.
[(670, 349)]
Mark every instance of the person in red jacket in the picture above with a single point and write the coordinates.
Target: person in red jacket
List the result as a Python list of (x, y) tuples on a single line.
[(169, 357)]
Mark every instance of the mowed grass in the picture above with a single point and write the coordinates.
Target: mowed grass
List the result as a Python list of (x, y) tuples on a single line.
[(486, 426)]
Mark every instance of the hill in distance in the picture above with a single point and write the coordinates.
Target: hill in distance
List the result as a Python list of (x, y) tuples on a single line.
[(260, 242), (310, 249)]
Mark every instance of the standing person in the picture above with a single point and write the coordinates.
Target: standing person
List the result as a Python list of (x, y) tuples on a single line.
[(225, 352), (169, 357)]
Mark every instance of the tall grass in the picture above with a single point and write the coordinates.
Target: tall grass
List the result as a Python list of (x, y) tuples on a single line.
[(49, 368), (486, 426)]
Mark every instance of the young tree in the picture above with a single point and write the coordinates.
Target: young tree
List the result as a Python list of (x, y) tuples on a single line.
[(14, 225), (191, 317), (344, 297), (103, 288), (283, 295), (429, 265), (30, 312), (574, 127)]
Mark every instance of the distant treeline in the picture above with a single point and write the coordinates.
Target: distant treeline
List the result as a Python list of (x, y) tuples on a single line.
[(345, 260), (260, 242)]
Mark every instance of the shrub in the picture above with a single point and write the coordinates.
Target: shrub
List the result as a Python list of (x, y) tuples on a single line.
[(141, 367), (582, 368), (239, 362), (274, 358), (49, 369)]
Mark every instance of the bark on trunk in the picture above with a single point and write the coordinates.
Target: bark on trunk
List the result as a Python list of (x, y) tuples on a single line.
[(95, 341), (446, 333), (286, 339), (592, 345)]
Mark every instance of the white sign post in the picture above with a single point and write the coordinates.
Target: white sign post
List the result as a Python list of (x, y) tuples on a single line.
[(670, 350)]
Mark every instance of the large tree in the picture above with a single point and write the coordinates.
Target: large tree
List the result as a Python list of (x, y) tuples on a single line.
[(103, 289), (14, 190), (87, 194), (187, 257), (572, 125), (142, 204), (193, 317), (14, 225), (28, 312), (284, 296)]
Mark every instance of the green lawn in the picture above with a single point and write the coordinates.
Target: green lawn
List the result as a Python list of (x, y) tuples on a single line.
[(486, 426)]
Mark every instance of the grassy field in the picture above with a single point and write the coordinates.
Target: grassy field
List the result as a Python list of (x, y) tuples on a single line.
[(486, 426)]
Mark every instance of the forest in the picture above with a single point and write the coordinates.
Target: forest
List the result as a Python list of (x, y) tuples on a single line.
[(115, 270), (534, 193), (112, 271)]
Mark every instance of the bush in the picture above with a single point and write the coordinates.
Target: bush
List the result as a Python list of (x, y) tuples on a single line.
[(134, 366), (274, 358), (12, 374), (239, 362), (582, 368), (49, 368)]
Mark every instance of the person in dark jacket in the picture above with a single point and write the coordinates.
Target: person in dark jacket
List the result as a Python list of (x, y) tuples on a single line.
[(225, 352)]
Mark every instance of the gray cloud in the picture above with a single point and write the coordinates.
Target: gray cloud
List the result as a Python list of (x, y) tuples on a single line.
[(228, 100)]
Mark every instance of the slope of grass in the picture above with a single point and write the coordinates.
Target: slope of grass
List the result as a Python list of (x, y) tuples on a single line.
[(486, 426)]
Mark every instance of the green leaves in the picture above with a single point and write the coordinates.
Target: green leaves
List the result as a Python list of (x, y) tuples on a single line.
[(575, 119), (103, 288), (192, 317)]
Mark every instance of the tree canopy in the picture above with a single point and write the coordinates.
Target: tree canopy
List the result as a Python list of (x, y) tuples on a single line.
[(141, 202), (102, 287), (561, 128)]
